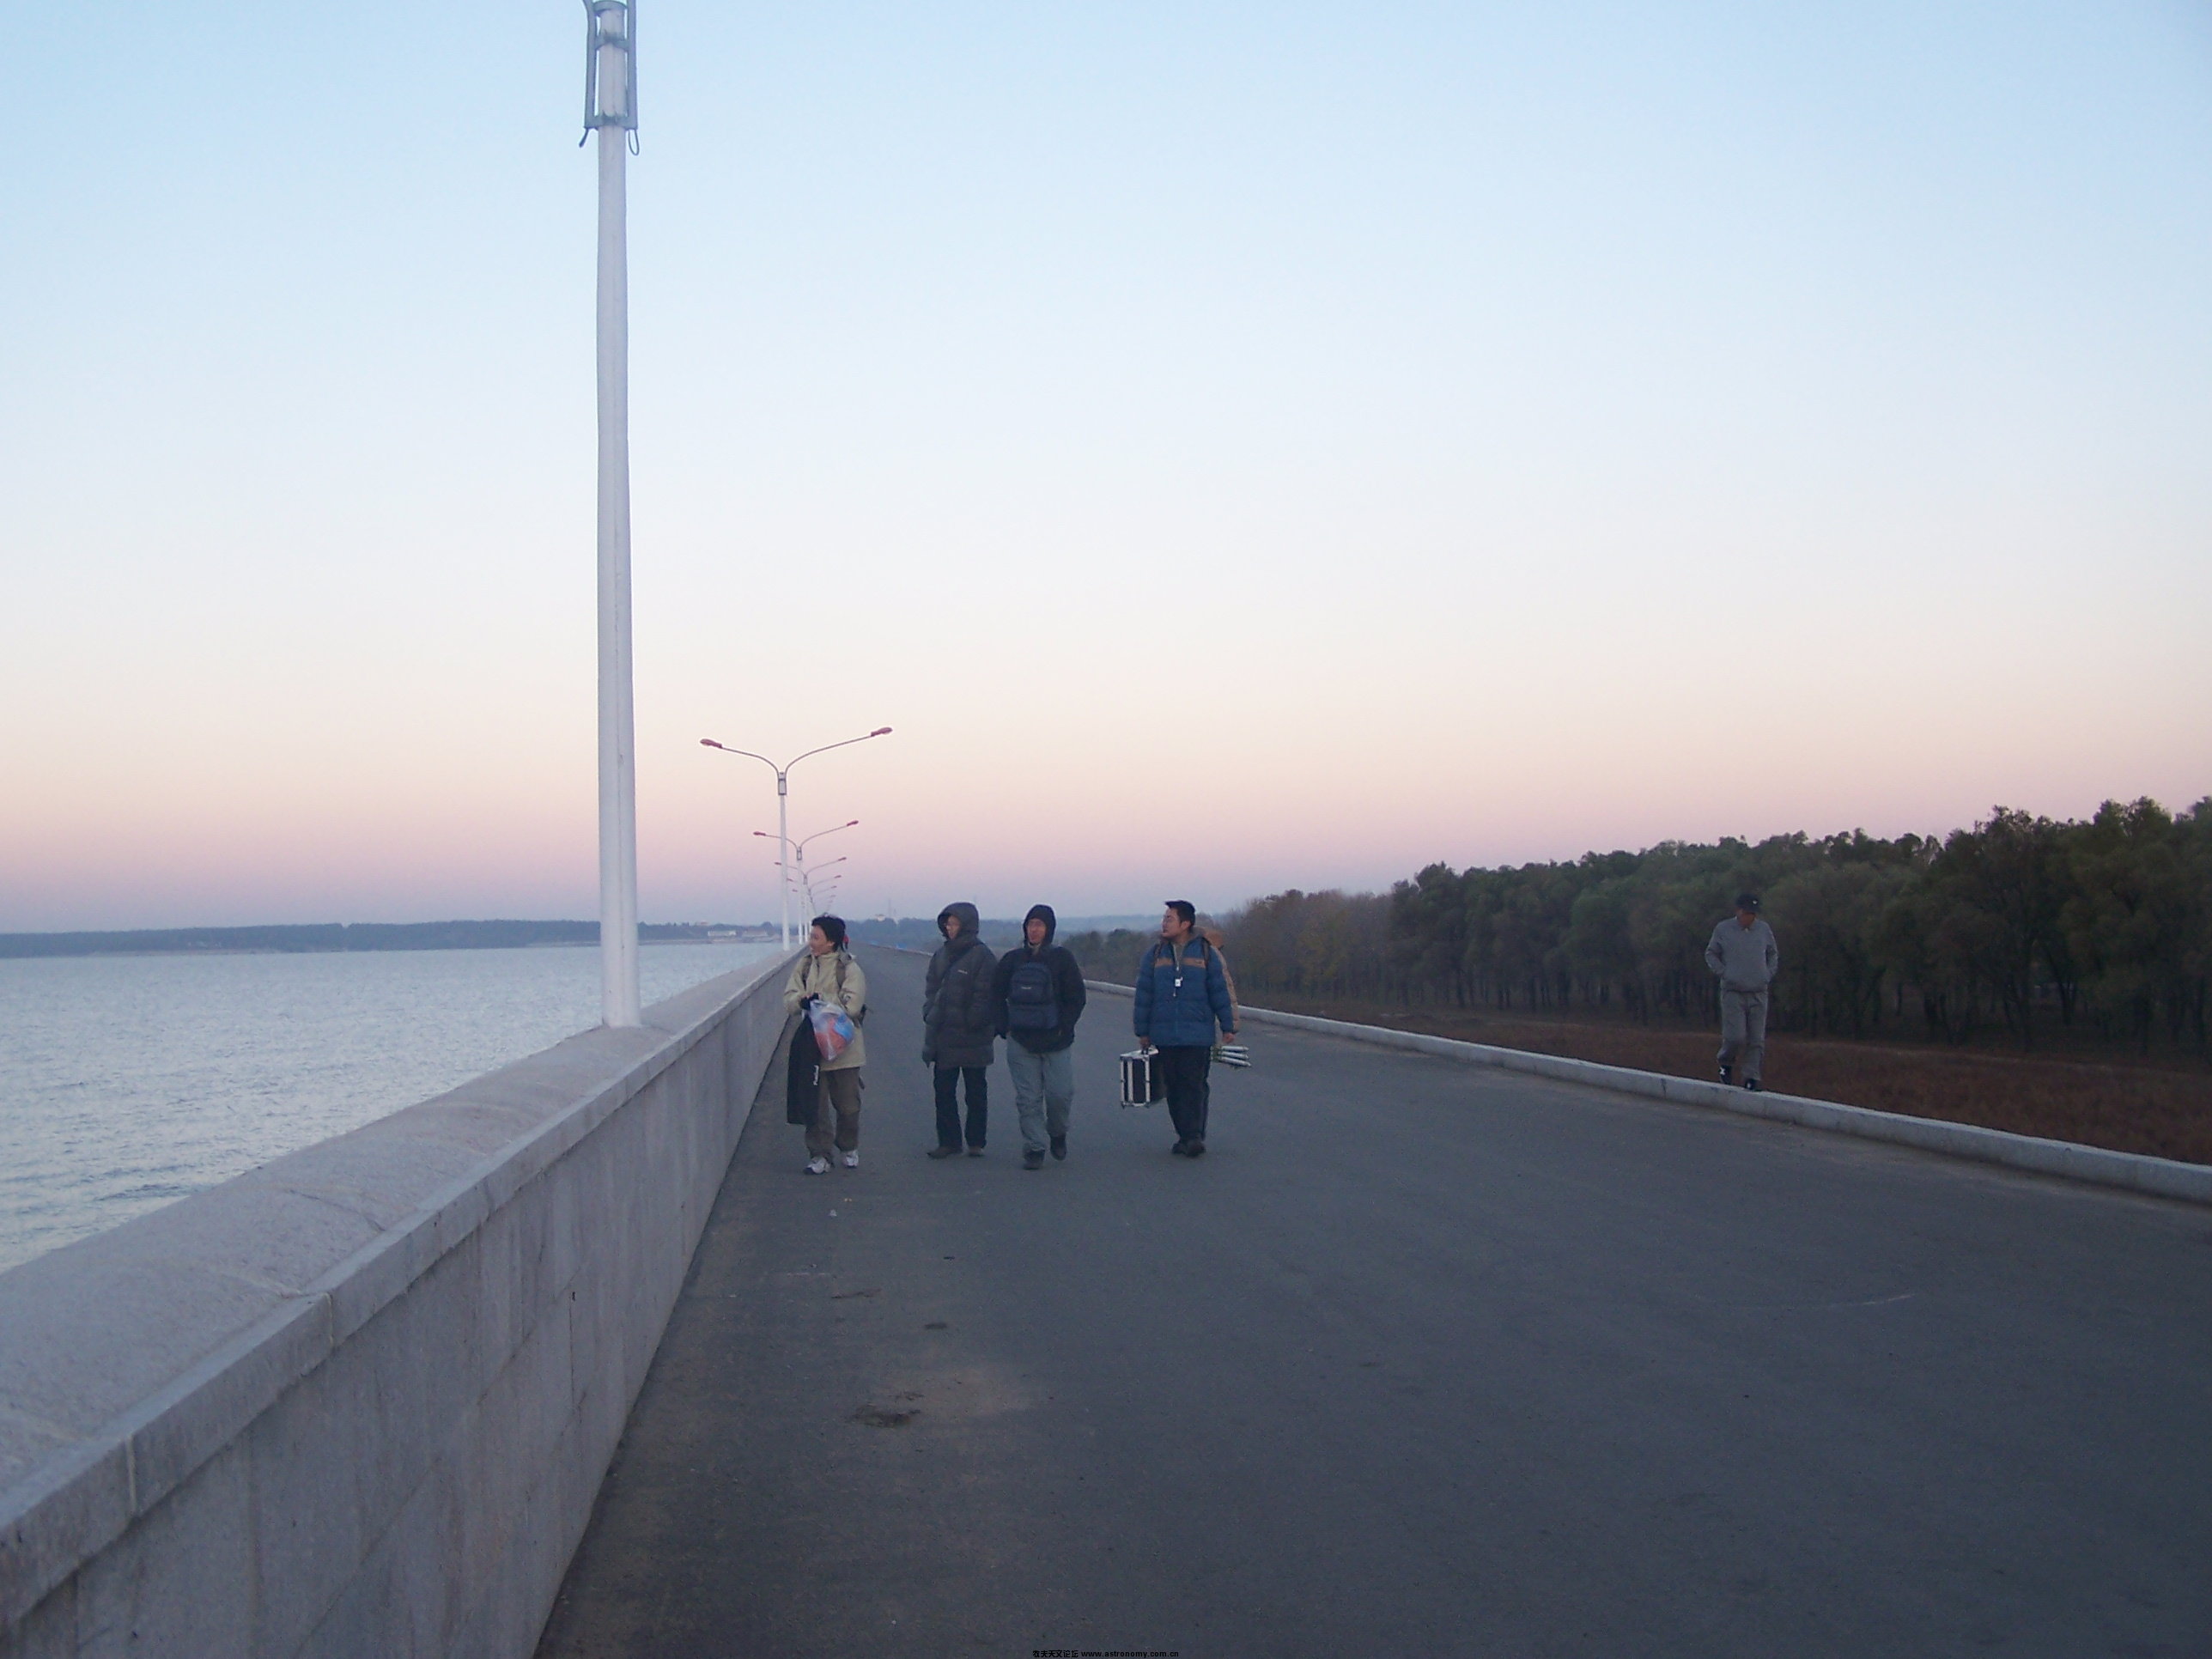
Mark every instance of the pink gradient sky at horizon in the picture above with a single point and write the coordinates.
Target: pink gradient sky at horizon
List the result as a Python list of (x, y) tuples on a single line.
[(1234, 447)]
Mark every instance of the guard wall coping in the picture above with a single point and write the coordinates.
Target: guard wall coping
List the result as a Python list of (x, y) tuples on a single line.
[(2164, 1177), (129, 1358)]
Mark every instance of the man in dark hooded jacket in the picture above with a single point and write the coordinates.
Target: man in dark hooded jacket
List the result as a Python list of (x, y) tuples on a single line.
[(1038, 996), (959, 1027)]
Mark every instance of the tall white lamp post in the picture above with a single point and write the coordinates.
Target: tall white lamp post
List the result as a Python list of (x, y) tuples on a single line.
[(611, 106), (783, 803)]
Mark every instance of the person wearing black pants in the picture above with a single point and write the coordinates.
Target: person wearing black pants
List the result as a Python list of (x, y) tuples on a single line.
[(959, 1028), (1182, 995), (1185, 1070), (947, 1080)]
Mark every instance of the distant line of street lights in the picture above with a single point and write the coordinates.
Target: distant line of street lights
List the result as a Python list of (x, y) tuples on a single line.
[(783, 836), (799, 855)]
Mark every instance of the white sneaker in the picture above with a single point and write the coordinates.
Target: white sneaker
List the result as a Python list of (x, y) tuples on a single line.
[(852, 1160), (818, 1166)]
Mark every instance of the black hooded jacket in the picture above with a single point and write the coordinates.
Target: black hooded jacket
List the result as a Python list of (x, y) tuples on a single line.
[(1066, 979), (959, 1018)]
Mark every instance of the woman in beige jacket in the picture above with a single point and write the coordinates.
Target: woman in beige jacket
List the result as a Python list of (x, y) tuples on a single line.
[(829, 972)]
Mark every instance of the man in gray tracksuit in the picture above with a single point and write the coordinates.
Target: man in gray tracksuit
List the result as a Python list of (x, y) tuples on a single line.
[(1742, 952)]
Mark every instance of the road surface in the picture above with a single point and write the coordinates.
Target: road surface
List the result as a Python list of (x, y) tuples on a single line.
[(1422, 1359)]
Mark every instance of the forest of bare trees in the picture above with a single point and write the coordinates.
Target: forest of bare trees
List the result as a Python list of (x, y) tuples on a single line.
[(2103, 928)]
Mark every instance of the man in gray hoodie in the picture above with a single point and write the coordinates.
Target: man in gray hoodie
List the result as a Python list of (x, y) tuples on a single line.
[(1742, 952)]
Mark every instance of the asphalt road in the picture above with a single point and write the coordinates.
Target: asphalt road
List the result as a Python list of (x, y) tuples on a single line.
[(1421, 1359)]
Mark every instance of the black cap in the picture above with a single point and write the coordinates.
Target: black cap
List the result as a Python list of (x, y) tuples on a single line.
[(1747, 901)]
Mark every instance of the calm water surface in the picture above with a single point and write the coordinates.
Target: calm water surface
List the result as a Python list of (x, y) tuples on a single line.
[(127, 1082)]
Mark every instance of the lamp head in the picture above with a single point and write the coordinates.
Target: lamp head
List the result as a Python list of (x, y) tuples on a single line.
[(610, 64)]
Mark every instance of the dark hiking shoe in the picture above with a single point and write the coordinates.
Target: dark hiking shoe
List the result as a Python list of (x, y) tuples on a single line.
[(974, 1152), (944, 1151), (1032, 1160), (1197, 1150), (1751, 1084), (1181, 1149), (1060, 1145), (1728, 1073)]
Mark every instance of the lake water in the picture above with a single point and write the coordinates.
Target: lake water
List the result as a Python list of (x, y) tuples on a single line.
[(127, 1082)]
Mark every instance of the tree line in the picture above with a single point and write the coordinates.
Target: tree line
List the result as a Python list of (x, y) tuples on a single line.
[(2022, 922)]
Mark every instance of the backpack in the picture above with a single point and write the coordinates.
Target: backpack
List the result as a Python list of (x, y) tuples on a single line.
[(861, 1017), (1032, 998)]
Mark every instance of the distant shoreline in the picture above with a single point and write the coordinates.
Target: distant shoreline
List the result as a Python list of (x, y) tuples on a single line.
[(296, 938), (332, 937)]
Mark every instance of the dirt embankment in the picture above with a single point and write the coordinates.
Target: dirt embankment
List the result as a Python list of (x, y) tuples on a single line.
[(2162, 1106)]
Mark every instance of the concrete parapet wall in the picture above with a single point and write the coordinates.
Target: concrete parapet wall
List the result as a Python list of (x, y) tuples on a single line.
[(360, 1401), (2164, 1177)]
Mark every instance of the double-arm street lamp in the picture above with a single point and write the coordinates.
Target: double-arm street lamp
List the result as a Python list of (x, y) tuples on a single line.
[(798, 852), (783, 803), (806, 883)]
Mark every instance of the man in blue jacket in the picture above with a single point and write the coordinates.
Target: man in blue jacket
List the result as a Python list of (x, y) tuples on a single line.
[(1182, 995)]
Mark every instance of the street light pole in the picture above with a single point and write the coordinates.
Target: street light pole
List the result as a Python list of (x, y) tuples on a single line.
[(806, 878), (783, 846), (783, 797), (611, 106), (788, 848)]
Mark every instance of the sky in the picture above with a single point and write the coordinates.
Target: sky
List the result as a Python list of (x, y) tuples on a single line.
[(1234, 447)]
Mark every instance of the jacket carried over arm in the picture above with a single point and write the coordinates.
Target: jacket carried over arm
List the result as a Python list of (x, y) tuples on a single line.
[(959, 1014), (1182, 993), (835, 978), (1746, 959)]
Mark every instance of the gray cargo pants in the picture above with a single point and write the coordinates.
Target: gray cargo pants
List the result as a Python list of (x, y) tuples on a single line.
[(1743, 1032), (1044, 1088)]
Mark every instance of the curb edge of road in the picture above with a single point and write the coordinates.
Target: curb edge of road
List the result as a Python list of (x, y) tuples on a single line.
[(2161, 1177)]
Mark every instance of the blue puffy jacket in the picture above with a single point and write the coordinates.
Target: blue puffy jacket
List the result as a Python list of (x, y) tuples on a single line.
[(1181, 993)]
